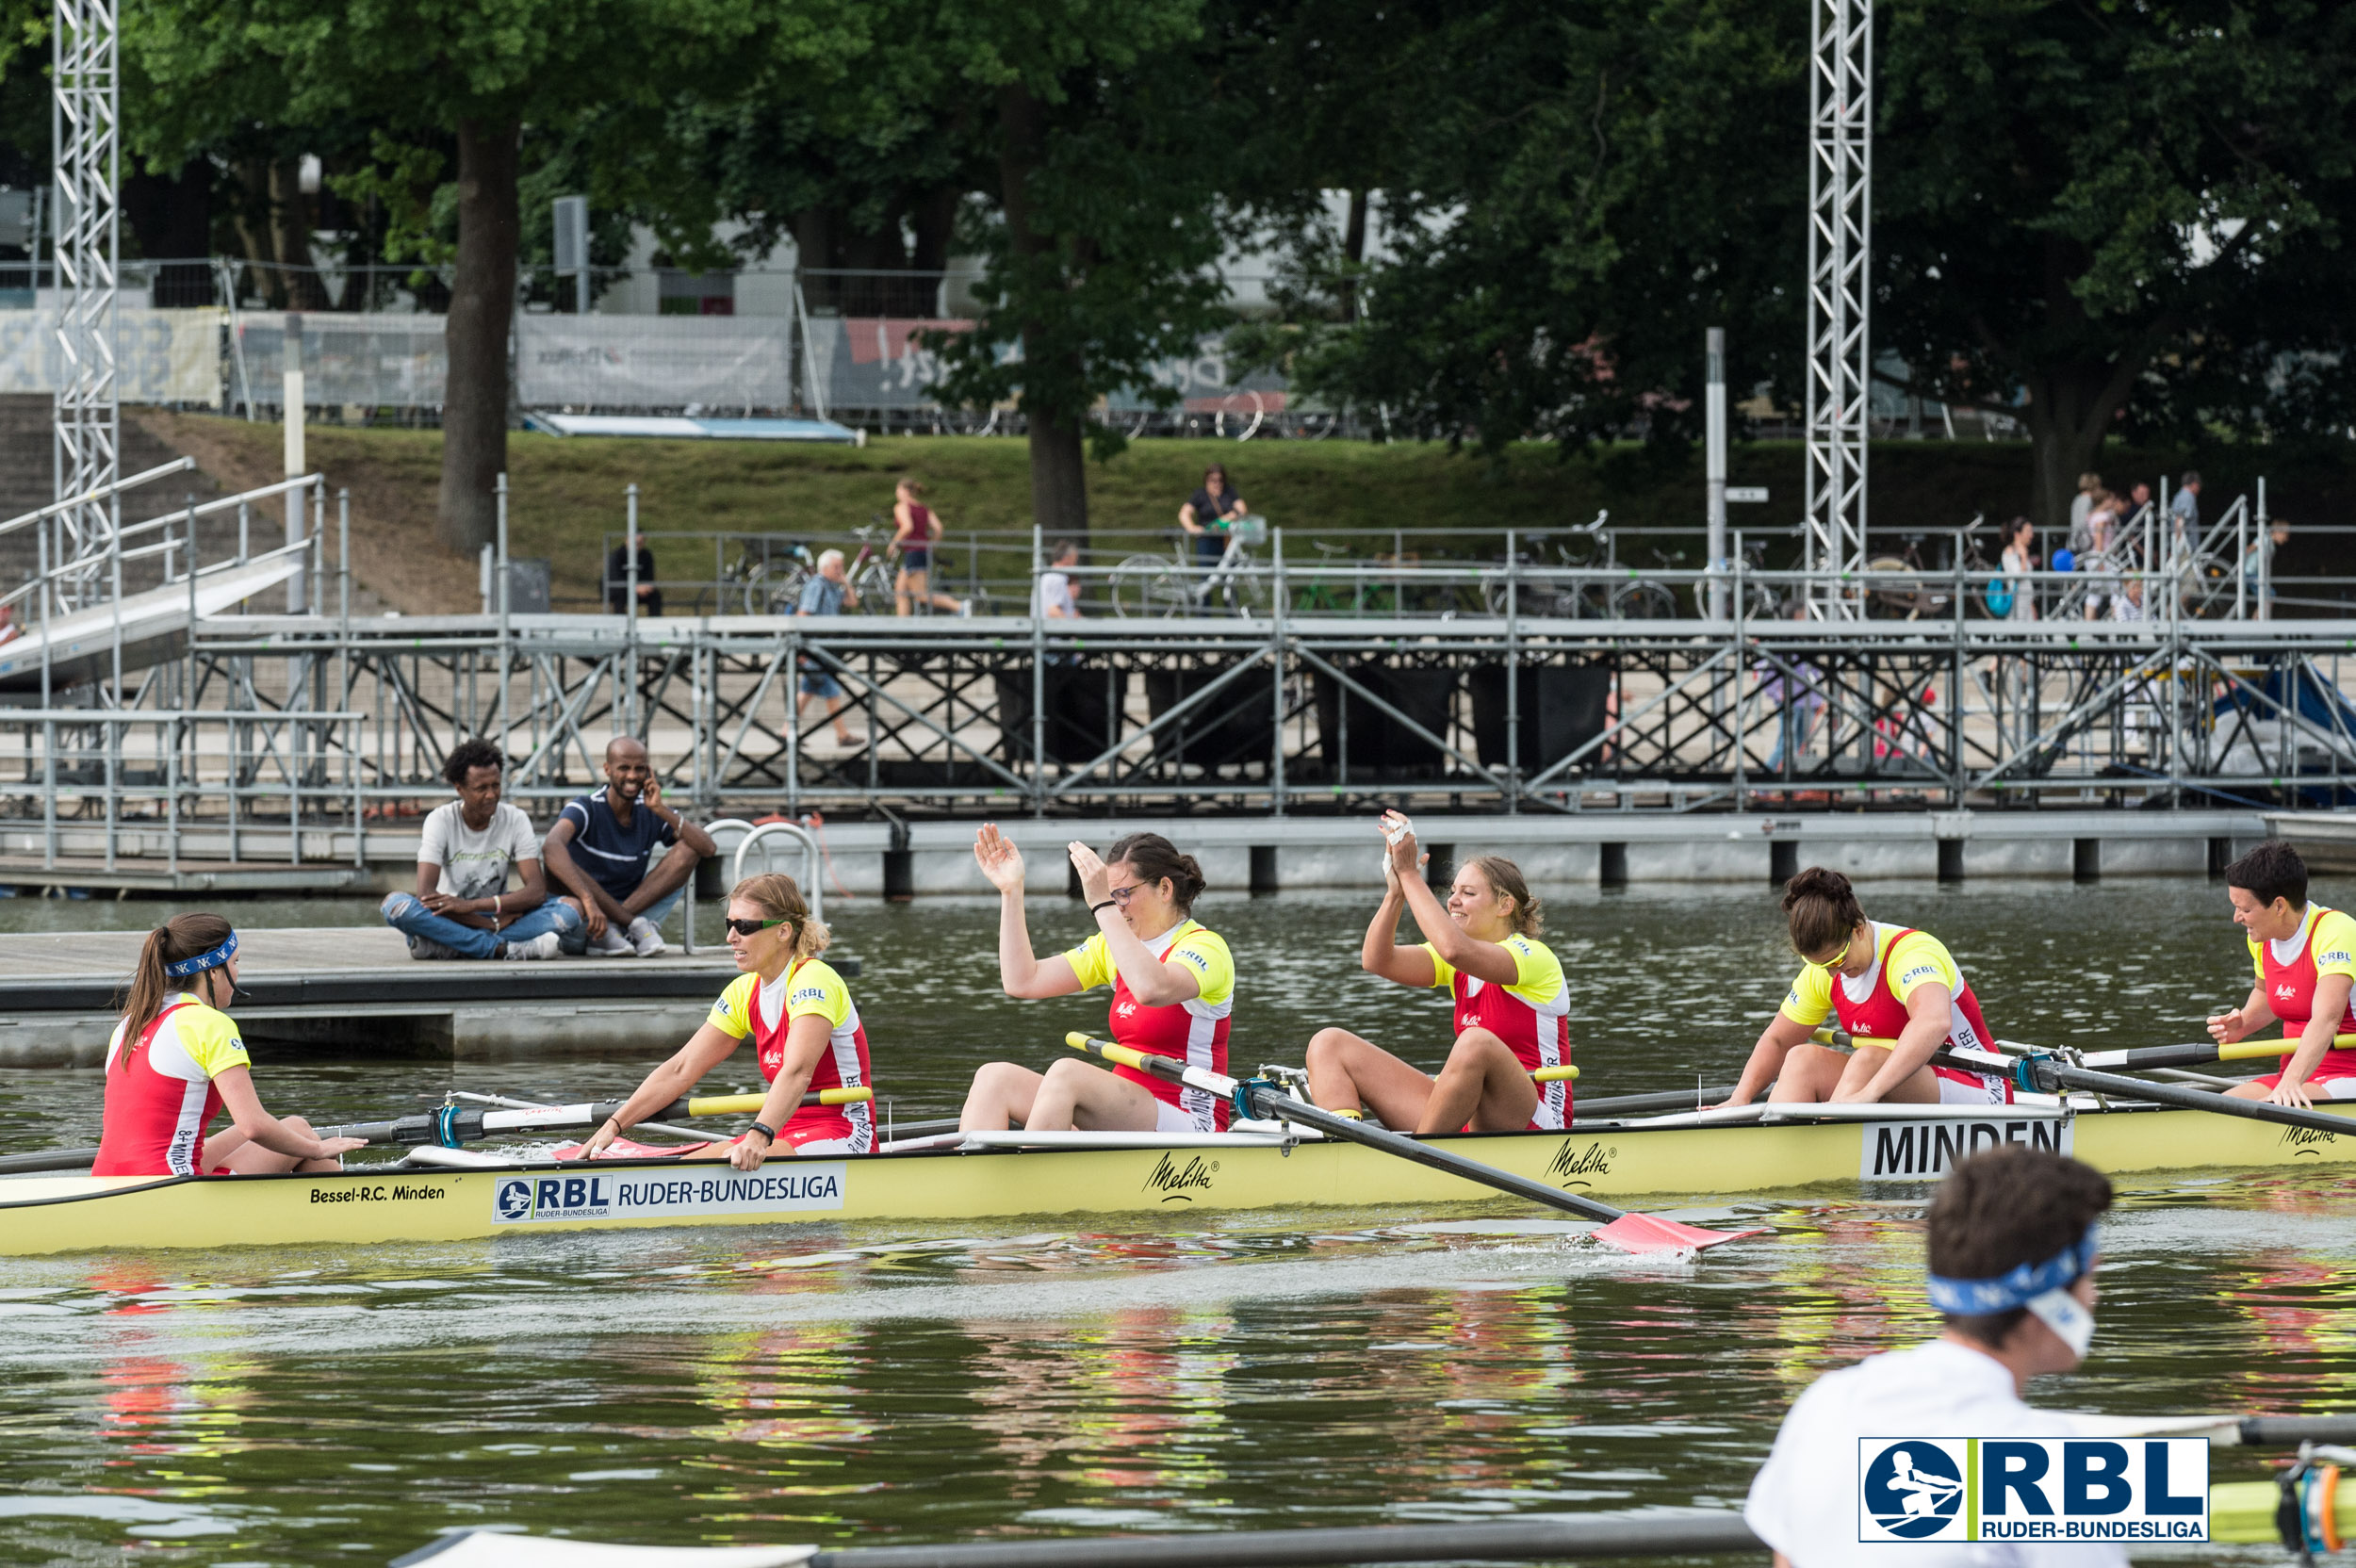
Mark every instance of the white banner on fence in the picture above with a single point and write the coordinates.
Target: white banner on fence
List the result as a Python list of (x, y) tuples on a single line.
[(721, 362), (867, 362), (166, 356), (371, 361)]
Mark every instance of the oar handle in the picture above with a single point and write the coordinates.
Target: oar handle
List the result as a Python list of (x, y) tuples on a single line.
[(746, 1104), (1566, 1073), (2051, 1076)]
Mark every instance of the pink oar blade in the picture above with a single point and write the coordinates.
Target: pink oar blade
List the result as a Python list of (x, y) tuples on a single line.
[(1644, 1233), (624, 1149)]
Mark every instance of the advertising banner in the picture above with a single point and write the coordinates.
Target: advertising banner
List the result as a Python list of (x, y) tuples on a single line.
[(716, 363), (164, 355)]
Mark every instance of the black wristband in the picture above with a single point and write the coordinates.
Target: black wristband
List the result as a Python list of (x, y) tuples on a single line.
[(1106, 904), (766, 1131)]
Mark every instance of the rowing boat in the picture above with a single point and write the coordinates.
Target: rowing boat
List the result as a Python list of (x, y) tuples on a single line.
[(457, 1194)]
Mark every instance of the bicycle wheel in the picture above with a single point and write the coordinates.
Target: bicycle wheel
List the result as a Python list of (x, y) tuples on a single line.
[(1245, 592), (1142, 586), (1644, 601)]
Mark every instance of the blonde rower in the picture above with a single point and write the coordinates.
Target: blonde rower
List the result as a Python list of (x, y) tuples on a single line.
[(805, 1029), (1512, 1005)]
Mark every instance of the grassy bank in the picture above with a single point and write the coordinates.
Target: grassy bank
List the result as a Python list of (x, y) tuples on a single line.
[(568, 493)]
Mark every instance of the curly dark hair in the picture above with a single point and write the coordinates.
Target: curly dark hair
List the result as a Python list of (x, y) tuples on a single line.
[(466, 756)]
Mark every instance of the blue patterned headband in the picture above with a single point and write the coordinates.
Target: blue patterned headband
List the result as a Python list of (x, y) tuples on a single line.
[(204, 961), (2017, 1286)]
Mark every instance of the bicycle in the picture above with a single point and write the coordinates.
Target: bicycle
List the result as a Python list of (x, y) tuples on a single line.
[(1148, 585), (872, 573), (764, 584), (1638, 598)]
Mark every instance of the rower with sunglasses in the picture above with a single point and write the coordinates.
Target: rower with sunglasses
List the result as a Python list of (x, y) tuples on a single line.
[(1884, 983), (1173, 991), (794, 1007)]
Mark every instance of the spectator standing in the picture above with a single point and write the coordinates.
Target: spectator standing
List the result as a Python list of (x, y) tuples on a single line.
[(1207, 513), (617, 579), (2098, 557), (1801, 692), (1056, 600), (2081, 536), (2257, 567), (471, 848), (827, 594), (2127, 604), (916, 531), (2020, 560), (2183, 513), (599, 847)]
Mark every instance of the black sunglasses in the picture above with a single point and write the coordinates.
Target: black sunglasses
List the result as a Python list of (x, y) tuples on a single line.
[(752, 927)]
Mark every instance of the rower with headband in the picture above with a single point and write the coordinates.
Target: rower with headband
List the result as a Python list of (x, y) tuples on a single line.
[(176, 1062), (2012, 1243)]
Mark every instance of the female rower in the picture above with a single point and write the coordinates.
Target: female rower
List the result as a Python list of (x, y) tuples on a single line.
[(1512, 1005), (803, 1024), (1884, 983), (176, 1063), (2305, 956), (1173, 990)]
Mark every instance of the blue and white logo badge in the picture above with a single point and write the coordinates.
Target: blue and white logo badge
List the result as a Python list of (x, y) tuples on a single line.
[(1913, 1491), (512, 1201), (2065, 1489)]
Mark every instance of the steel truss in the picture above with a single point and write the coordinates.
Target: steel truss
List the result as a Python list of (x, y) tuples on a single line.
[(85, 128), (1226, 715), (1840, 268)]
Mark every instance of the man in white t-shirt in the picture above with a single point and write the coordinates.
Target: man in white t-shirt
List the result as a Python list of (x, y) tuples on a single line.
[(2012, 1254), (1057, 600), (472, 848)]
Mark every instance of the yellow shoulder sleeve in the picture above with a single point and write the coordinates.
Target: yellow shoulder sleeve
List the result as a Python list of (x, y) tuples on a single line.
[(1205, 952), (1443, 972), (732, 1015), (817, 989), (1918, 958), (211, 1038), (1809, 1000), (2335, 944), (1092, 961)]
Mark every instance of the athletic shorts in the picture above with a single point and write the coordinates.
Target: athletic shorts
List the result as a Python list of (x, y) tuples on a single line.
[(1169, 1118), (916, 558), (2318, 1088), (1958, 1088)]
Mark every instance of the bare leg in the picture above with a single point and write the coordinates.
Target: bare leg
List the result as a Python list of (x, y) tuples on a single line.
[(841, 732), (1809, 1076), (1483, 1084), (233, 1150), (1001, 1095), (677, 865), (1076, 1096), (900, 592), (1347, 1073), (1919, 1088)]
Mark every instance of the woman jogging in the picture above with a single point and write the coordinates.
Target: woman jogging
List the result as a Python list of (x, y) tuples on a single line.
[(916, 531)]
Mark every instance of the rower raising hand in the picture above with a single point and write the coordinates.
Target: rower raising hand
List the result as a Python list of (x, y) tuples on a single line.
[(1001, 862), (1401, 856)]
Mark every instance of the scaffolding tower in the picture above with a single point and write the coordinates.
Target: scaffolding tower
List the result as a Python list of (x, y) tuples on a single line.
[(85, 125), (1840, 248)]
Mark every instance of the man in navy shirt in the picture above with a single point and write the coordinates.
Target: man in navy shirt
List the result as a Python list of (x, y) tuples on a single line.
[(598, 849)]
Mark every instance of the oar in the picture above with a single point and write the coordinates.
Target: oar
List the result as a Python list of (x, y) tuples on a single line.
[(2149, 1058), (2051, 1077), (453, 1126), (1631, 1233), (508, 1103)]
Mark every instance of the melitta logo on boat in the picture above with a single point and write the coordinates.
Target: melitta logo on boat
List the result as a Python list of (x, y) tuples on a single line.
[(1178, 1184), (667, 1194), (1573, 1159), (1918, 1150), (2032, 1489)]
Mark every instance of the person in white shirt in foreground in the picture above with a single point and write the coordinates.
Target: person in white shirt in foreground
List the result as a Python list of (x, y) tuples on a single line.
[(2012, 1255)]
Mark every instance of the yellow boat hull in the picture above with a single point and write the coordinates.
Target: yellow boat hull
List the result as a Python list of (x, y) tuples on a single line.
[(367, 1206)]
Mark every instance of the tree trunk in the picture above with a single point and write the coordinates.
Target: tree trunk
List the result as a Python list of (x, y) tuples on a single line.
[(1353, 251), (481, 311), (1060, 495), (290, 237)]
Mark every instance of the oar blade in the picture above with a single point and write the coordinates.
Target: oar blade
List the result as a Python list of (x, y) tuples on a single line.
[(1649, 1233), (625, 1149)]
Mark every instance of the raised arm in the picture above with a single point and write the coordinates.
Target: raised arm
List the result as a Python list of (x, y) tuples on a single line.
[(1481, 960), (1155, 984), (1382, 953), (691, 835), (1020, 971)]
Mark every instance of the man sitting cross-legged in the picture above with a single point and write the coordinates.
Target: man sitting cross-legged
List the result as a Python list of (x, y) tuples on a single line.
[(599, 850), (463, 908)]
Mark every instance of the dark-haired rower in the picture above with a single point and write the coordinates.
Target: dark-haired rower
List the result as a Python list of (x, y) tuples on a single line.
[(1883, 983), (1173, 988), (2305, 958), (2013, 1247), (1512, 1005)]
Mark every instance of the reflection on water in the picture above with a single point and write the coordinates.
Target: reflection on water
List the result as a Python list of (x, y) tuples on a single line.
[(859, 1384)]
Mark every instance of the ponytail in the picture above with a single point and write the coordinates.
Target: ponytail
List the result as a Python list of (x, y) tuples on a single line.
[(181, 938), (1821, 909)]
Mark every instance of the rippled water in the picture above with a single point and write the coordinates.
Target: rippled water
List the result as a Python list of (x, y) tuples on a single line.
[(857, 1386)]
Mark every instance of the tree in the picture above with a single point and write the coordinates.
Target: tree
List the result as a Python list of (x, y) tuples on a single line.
[(476, 71), (2134, 214), (1106, 127), (1624, 176)]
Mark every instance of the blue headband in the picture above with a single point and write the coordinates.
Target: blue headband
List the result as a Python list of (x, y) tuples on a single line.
[(204, 961), (2017, 1286)]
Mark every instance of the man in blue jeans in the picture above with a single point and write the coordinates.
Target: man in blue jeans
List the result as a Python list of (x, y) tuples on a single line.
[(472, 847), (599, 850)]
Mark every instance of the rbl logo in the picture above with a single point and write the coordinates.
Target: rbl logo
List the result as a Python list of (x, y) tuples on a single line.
[(2032, 1489)]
